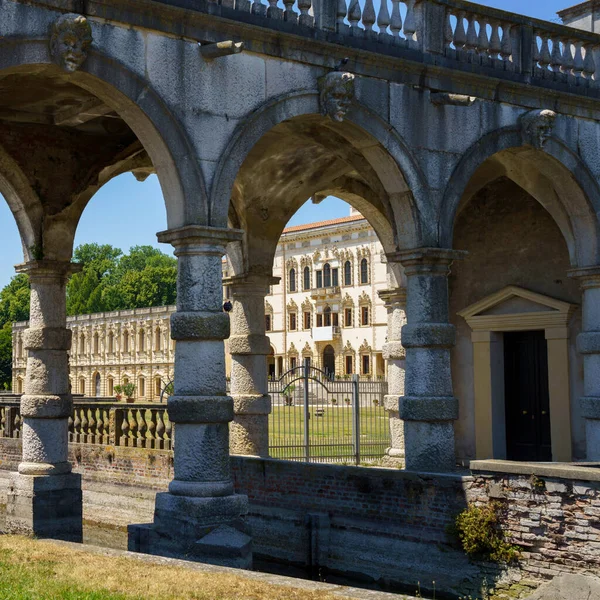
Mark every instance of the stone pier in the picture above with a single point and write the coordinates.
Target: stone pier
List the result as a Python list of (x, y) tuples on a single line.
[(249, 347), (200, 517), (428, 406), (44, 497), (588, 344), (395, 355)]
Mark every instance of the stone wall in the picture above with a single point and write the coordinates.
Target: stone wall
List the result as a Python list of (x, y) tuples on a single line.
[(385, 527)]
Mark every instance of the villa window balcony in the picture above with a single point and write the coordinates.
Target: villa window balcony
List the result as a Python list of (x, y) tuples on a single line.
[(326, 293), (325, 334)]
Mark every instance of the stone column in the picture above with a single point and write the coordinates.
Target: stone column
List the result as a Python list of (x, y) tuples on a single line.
[(200, 517), (395, 355), (249, 348), (428, 406), (588, 344), (44, 497)]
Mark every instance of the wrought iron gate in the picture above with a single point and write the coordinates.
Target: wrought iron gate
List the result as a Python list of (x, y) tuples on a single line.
[(318, 418)]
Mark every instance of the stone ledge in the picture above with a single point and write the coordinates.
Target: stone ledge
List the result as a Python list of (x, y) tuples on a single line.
[(415, 408), (39, 406), (254, 343), (47, 338), (571, 471), (429, 335), (199, 326), (200, 409)]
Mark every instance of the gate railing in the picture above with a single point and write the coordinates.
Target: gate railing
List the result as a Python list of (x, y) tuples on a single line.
[(316, 418)]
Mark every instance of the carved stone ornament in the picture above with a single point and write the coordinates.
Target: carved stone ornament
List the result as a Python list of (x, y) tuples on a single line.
[(536, 127), (70, 38), (336, 92)]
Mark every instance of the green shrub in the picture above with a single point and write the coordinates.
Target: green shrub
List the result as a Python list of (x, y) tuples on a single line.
[(478, 528)]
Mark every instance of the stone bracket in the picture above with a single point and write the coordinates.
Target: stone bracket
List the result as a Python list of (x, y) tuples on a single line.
[(440, 408), (200, 409)]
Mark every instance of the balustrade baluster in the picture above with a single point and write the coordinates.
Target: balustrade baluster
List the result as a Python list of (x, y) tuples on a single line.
[(506, 48), (84, 426), (545, 56), (536, 52), (273, 11), (151, 422), (141, 427), (2, 421), (396, 20), (160, 430), (92, 426), (100, 427), (132, 428), (460, 35), (555, 56), (71, 429), (258, 8), (578, 60), (77, 426), (368, 16), (471, 43), (448, 33), (567, 57), (168, 432), (495, 42), (483, 43), (17, 426), (410, 23), (342, 9), (124, 428), (305, 17), (354, 15), (243, 5), (383, 19), (589, 64)]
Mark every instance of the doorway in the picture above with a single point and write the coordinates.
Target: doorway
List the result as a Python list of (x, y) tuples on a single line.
[(527, 397), (329, 361)]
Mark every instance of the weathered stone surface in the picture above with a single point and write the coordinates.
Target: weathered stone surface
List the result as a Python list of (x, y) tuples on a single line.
[(200, 409), (47, 338), (568, 587), (46, 407), (197, 325)]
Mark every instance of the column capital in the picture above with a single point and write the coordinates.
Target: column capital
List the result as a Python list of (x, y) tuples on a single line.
[(250, 283), (199, 239), (434, 261), (393, 296), (589, 276), (46, 270)]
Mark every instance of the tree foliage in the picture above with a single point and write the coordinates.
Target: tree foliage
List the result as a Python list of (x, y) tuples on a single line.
[(109, 280)]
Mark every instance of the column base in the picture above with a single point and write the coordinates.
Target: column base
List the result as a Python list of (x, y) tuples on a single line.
[(210, 530), (45, 506), (429, 446)]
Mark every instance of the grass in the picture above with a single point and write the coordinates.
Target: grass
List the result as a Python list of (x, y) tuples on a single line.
[(331, 434), (35, 570)]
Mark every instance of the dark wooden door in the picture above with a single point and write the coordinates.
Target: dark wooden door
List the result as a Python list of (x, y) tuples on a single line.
[(526, 396), (329, 360)]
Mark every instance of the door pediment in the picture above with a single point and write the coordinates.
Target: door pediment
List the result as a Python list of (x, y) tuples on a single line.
[(514, 308)]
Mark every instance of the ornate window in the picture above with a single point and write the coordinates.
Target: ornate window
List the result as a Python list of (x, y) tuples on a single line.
[(319, 279), (111, 343), (347, 273), (364, 271), (82, 344), (157, 386), (364, 316), (268, 323), (327, 316), (110, 386), (335, 280), (306, 279), (141, 387), (307, 320), (348, 316), (366, 364), (349, 364), (292, 286), (157, 339), (326, 275), (82, 385), (293, 321), (141, 341), (96, 343), (126, 341)]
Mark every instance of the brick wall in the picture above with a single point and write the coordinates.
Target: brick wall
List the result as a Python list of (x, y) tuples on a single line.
[(555, 520)]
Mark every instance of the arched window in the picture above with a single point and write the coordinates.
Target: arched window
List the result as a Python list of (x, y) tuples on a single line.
[(126, 341), (97, 384), (157, 340), (142, 341), (347, 273), (110, 383), (327, 315), (292, 280), (141, 387), (20, 347), (111, 344), (364, 271), (157, 386), (82, 344), (326, 275), (96, 344), (19, 386), (307, 278), (82, 385)]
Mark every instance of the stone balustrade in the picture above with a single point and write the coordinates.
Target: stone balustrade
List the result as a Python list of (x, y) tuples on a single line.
[(105, 424), (457, 30)]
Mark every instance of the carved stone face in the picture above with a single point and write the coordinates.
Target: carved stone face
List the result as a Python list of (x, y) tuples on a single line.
[(336, 92), (69, 41), (537, 126)]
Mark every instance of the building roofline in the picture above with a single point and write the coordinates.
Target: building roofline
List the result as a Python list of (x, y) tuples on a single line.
[(323, 224)]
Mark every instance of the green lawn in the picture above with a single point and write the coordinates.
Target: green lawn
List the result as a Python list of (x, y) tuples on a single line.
[(331, 433)]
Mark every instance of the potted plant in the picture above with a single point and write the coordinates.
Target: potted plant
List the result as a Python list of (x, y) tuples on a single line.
[(118, 392), (347, 401), (288, 394), (129, 391)]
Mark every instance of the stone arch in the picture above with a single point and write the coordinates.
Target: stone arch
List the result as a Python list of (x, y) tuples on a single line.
[(144, 111), (555, 176), (404, 222)]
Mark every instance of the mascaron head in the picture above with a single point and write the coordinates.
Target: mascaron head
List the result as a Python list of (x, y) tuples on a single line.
[(536, 127), (336, 92), (70, 37)]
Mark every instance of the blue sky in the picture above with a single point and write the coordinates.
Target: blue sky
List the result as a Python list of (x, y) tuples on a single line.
[(126, 213)]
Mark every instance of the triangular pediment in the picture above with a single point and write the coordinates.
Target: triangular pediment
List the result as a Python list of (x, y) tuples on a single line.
[(513, 300)]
